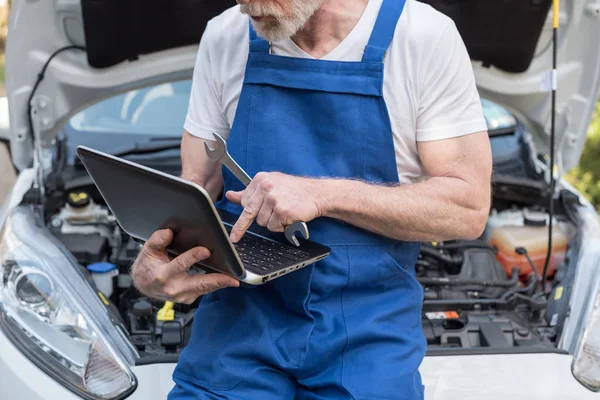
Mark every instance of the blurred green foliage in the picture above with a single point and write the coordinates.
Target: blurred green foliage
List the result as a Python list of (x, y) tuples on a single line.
[(2, 61), (586, 176)]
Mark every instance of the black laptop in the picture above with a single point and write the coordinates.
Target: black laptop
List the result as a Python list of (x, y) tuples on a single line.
[(144, 200)]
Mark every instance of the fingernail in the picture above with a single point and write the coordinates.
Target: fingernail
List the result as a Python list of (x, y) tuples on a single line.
[(203, 254), (232, 283)]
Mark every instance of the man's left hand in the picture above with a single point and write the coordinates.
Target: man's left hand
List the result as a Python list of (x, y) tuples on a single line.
[(275, 200)]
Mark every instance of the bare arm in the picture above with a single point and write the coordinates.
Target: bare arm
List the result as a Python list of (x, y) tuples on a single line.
[(453, 203), (198, 168)]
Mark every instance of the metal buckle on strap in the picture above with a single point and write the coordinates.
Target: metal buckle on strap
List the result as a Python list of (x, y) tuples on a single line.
[(270, 46)]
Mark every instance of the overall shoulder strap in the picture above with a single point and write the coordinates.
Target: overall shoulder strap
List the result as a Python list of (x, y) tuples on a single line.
[(384, 29), (257, 44)]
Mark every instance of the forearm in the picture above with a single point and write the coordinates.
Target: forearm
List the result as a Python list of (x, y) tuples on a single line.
[(198, 168), (212, 184), (441, 208)]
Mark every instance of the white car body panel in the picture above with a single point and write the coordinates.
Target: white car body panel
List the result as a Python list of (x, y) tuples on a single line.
[(14, 197), (490, 377), (501, 377)]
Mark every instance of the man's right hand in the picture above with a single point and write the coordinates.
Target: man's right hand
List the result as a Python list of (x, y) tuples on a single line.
[(156, 276)]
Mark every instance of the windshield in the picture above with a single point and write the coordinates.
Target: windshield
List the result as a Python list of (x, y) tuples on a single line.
[(161, 110), (497, 117), (156, 110)]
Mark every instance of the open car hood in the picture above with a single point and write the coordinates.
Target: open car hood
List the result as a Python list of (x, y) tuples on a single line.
[(131, 44)]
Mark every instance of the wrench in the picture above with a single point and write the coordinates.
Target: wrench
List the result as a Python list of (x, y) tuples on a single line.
[(220, 153)]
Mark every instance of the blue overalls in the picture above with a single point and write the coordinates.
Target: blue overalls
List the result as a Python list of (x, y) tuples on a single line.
[(348, 327)]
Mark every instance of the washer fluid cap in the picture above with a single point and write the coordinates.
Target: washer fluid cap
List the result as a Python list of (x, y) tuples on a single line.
[(101, 268), (535, 218)]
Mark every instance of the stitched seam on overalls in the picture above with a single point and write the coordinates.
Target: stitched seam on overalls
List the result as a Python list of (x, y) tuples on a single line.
[(403, 268), (345, 325), (366, 116), (250, 125), (307, 310), (357, 72), (383, 109)]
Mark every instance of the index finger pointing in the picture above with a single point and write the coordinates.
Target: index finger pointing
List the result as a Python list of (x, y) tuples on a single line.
[(243, 223)]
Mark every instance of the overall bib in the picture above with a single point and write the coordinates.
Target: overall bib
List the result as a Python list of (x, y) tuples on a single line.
[(349, 326)]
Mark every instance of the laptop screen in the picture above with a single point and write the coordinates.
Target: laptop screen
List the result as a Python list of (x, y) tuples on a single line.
[(144, 201)]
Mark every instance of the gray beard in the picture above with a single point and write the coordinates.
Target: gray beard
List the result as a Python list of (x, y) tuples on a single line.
[(279, 26)]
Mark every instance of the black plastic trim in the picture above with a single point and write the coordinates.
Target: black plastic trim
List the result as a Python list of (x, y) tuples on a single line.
[(163, 359), (501, 132), (491, 351), (121, 30), (502, 33)]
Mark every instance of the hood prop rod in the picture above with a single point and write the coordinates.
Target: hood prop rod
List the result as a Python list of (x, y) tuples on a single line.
[(555, 25), (39, 181)]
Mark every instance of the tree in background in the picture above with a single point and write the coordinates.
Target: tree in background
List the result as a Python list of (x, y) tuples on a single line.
[(586, 176), (4, 10)]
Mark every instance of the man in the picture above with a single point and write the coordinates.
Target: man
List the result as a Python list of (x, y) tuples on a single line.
[(375, 159)]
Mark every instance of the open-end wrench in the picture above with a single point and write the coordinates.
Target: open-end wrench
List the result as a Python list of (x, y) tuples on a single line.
[(220, 154)]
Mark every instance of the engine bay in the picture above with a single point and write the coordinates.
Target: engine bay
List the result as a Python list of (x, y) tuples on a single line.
[(480, 296)]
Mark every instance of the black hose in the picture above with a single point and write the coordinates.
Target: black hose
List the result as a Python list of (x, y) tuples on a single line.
[(536, 302), (523, 251), (478, 282), (39, 80), (456, 259), (529, 289)]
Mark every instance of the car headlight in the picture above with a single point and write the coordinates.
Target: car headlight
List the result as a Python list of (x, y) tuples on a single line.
[(52, 314), (586, 365)]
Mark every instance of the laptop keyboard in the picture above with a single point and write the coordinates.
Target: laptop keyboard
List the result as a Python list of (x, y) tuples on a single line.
[(263, 256)]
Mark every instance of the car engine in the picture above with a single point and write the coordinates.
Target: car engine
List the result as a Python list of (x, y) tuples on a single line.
[(475, 296)]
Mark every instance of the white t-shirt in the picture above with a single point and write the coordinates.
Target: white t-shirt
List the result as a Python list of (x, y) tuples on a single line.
[(429, 86)]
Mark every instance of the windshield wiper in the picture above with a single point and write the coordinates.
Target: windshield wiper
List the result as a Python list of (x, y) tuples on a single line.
[(149, 147), (164, 144)]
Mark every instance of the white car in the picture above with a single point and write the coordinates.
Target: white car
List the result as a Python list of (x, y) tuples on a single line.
[(73, 326)]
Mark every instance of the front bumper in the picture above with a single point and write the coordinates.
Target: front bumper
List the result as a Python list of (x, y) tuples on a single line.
[(502, 377), (490, 377)]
